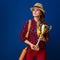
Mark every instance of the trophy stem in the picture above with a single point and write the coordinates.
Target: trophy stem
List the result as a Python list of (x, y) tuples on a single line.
[(38, 42)]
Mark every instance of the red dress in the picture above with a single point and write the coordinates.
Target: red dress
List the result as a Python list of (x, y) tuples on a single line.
[(31, 54)]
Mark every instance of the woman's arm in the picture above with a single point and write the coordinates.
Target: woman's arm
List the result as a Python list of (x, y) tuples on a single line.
[(23, 32), (27, 42), (33, 47)]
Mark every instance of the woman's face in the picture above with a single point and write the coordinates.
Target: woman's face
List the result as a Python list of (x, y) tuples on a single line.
[(36, 12)]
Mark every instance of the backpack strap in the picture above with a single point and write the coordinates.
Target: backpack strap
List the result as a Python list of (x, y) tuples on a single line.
[(29, 24)]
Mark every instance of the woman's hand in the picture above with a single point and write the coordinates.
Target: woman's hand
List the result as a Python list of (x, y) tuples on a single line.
[(42, 38), (34, 47)]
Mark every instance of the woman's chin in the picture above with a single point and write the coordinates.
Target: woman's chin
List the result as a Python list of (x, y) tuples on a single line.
[(36, 16)]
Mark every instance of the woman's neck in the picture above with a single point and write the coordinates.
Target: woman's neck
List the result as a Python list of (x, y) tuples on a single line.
[(36, 19)]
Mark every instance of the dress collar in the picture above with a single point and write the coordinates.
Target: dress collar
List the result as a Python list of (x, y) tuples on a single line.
[(36, 21)]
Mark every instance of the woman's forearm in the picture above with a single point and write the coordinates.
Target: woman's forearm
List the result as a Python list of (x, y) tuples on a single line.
[(27, 42)]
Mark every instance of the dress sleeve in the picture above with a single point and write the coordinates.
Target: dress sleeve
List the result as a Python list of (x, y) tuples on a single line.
[(23, 31)]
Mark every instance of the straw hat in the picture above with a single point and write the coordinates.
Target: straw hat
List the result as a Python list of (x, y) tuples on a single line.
[(40, 6)]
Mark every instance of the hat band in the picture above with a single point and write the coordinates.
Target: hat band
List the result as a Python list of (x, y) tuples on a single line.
[(37, 6)]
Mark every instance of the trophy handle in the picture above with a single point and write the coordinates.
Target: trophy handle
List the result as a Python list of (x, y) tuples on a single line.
[(50, 27)]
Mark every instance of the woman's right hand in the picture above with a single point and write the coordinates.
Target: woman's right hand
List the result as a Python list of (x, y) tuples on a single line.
[(34, 47)]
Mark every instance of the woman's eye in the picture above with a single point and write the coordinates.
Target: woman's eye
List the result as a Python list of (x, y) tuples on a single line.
[(33, 9), (38, 10)]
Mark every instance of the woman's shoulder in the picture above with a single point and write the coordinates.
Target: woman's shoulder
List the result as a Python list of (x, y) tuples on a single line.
[(27, 21)]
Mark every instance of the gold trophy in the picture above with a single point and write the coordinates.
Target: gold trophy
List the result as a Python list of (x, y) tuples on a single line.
[(44, 29)]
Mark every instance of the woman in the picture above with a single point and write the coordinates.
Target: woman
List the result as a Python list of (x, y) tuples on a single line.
[(34, 33)]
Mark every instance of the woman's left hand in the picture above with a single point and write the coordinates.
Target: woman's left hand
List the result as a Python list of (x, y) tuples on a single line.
[(42, 38)]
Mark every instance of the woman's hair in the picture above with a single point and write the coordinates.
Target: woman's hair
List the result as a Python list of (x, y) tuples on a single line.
[(42, 16)]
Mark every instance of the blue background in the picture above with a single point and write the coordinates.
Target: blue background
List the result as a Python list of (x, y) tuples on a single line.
[(13, 15)]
